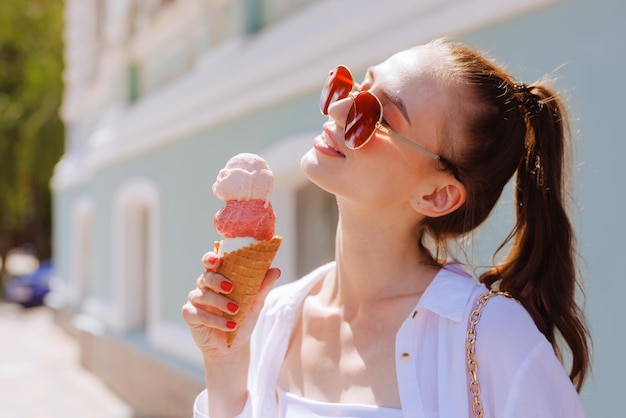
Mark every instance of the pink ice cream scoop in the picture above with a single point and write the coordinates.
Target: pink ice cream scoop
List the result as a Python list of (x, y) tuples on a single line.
[(245, 184), (245, 219)]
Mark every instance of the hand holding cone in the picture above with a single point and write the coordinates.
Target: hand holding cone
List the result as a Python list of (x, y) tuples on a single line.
[(246, 268)]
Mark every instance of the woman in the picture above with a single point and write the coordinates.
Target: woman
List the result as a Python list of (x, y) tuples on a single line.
[(383, 330)]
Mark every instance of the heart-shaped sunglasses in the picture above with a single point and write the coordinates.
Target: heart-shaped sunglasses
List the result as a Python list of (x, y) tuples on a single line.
[(365, 115)]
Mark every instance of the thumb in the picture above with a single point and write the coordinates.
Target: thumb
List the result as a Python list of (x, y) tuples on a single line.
[(211, 261), (271, 277)]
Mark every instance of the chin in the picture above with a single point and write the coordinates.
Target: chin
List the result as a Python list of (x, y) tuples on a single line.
[(309, 164), (308, 159), (314, 171)]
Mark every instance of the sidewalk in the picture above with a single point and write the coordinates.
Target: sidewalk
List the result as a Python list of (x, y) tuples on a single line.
[(40, 374)]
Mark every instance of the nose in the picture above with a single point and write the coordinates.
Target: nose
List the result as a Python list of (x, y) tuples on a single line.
[(339, 110)]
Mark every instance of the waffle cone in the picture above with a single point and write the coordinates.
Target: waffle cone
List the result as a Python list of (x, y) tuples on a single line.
[(246, 268)]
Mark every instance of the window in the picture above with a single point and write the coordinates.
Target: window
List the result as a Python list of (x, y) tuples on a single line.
[(253, 17), (316, 212), (136, 245), (134, 83), (136, 242), (260, 13), (275, 10)]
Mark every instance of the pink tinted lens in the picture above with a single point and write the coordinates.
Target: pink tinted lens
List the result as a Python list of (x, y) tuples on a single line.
[(362, 119), (337, 87)]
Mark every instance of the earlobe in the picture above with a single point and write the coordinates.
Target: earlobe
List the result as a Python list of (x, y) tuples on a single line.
[(441, 201)]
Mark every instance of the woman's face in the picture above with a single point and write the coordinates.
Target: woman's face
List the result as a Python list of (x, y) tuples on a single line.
[(385, 170)]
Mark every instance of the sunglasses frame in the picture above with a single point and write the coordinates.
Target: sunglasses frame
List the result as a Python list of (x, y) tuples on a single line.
[(353, 94)]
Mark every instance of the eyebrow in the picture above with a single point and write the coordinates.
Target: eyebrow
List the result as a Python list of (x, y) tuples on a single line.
[(393, 98)]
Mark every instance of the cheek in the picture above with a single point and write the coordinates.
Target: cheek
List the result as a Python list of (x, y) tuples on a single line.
[(384, 171), (397, 171)]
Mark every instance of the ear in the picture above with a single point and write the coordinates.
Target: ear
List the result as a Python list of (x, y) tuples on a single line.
[(440, 201)]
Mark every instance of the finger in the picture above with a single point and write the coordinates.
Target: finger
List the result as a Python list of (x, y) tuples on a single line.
[(215, 282), (195, 317), (211, 261), (208, 300), (271, 277)]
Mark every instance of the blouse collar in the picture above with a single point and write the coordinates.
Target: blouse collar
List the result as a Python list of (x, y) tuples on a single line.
[(449, 292)]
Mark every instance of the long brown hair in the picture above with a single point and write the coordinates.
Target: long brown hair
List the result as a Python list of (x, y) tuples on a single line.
[(508, 128)]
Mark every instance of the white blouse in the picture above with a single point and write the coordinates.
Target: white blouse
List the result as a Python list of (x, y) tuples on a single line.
[(290, 406), (519, 373)]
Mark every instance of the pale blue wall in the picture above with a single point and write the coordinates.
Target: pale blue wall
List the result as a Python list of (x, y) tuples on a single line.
[(184, 171), (589, 37)]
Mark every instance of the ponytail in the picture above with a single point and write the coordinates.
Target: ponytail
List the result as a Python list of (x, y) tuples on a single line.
[(508, 129), (540, 268)]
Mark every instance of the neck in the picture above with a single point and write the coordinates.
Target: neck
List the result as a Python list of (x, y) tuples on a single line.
[(378, 258)]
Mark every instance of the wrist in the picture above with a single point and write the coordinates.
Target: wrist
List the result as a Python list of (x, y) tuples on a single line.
[(226, 377), (225, 358)]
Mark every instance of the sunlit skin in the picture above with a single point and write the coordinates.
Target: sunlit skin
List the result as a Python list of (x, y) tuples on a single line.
[(342, 349)]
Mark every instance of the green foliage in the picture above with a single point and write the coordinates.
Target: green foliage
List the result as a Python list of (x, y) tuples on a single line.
[(31, 132)]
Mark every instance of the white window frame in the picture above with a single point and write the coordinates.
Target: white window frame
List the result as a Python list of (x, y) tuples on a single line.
[(81, 250), (169, 336), (134, 193)]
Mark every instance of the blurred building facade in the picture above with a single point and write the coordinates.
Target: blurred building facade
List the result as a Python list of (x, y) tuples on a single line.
[(160, 93)]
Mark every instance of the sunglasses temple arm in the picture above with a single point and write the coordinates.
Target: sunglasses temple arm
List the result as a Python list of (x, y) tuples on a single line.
[(406, 141)]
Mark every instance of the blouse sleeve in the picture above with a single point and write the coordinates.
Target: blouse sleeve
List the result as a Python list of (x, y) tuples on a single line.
[(201, 407), (541, 389), (518, 371)]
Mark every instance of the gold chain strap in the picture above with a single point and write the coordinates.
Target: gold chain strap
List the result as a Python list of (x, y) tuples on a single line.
[(470, 345)]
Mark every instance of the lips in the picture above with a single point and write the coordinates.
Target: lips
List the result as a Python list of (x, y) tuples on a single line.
[(329, 140)]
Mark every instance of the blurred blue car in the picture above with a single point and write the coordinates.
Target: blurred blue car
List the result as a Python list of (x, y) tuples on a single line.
[(29, 289)]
